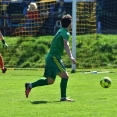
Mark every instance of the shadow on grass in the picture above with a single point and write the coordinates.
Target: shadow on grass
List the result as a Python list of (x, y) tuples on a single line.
[(43, 102)]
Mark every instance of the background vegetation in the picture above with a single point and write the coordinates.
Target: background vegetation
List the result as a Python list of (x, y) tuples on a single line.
[(93, 51)]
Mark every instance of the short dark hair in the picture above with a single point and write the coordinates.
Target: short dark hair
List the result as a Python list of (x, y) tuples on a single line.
[(66, 20)]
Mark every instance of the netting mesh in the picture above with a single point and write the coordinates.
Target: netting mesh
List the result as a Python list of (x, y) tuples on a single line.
[(107, 11), (35, 19), (93, 17), (86, 16)]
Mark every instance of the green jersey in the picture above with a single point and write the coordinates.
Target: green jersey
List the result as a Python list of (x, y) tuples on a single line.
[(57, 45)]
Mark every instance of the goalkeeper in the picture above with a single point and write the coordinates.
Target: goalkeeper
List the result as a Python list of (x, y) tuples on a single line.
[(54, 65), (1, 59)]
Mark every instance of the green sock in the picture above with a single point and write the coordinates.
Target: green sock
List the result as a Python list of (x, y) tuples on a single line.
[(40, 82), (63, 86)]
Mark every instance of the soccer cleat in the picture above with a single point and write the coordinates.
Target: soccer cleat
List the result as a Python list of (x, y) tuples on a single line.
[(27, 89), (4, 70), (67, 99)]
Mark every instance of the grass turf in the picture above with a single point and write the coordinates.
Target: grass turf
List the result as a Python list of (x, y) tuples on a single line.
[(91, 100)]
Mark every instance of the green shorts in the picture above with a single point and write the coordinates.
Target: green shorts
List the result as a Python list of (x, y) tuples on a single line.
[(53, 67)]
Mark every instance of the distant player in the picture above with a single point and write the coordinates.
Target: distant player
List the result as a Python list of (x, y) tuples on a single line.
[(54, 65), (1, 59)]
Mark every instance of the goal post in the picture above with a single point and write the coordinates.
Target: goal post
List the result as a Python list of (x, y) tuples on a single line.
[(73, 33), (84, 22)]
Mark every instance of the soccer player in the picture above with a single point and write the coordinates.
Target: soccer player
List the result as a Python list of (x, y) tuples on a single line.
[(54, 65), (1, 59)]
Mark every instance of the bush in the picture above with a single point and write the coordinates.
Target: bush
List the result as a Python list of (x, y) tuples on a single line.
[(90, 51)]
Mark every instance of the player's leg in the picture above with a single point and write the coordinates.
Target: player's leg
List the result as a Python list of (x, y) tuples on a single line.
[(49, 78), (58, 68), (41, 82), (63, 85), (29, 86), (2, 64)]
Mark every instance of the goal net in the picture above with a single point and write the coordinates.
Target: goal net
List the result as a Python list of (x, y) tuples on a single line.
[(96, 33), (91, 20)]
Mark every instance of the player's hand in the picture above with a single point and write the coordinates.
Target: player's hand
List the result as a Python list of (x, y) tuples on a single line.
[(73, 60), (5, 45)]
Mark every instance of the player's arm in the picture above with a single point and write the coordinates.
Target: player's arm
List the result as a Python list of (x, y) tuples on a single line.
[(3, 41), (67, 48)]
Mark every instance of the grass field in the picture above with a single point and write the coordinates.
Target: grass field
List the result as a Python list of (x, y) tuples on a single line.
[(91, 100)]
